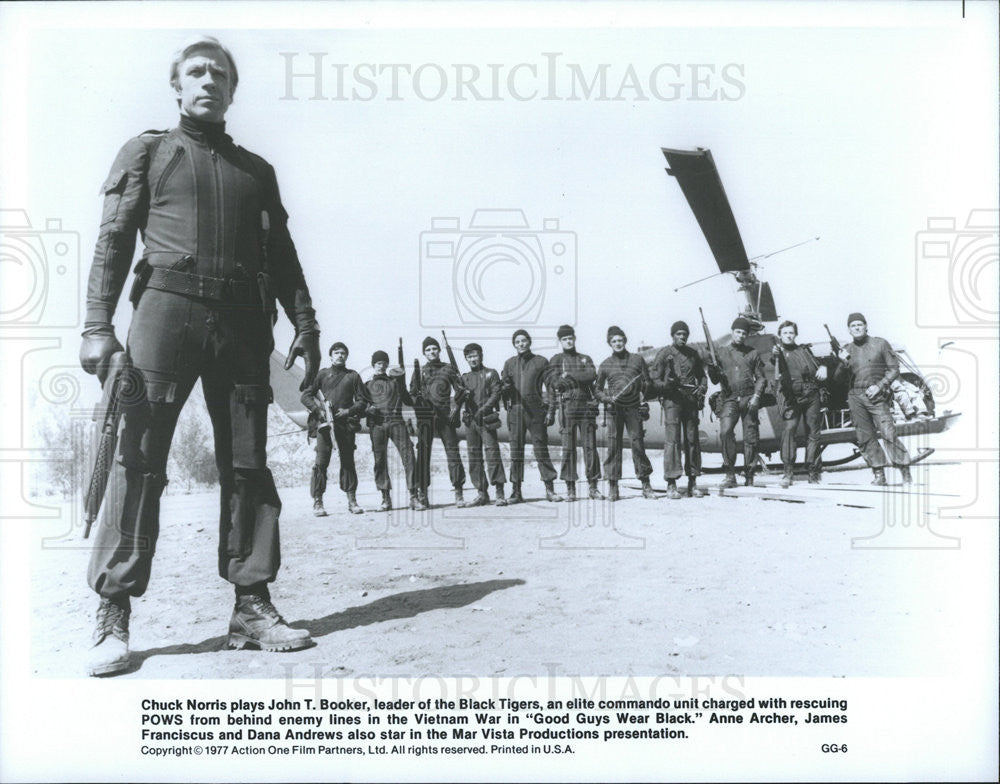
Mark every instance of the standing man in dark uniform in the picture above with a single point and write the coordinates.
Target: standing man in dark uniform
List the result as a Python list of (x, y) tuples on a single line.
[(870, 366), (481, 423), (740, 373), (437, 380), (522, 381), (385, 421), (571, 383), (797, 378), (217, 252), (346, 398), (622, 379), (678, 374)]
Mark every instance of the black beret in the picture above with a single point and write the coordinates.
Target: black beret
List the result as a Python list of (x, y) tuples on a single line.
[(741, 323), (380, 356), (856, 317), (520, 332), (337, 345), (565, 331), (677, 326), (429, 341), (472, 347)]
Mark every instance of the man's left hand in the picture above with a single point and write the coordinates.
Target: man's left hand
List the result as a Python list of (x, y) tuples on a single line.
[(305, 345), (873, 391)]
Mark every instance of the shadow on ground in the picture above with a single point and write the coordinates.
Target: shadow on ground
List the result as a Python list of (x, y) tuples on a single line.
[(401, 605)]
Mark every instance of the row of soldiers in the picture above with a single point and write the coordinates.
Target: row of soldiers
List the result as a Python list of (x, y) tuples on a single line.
[(533, 390)]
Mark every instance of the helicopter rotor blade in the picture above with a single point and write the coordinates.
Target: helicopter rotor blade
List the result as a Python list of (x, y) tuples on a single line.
[(701, 185)]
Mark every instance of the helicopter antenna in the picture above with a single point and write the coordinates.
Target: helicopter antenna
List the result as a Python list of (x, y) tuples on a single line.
[(762, 256), (776, 252)]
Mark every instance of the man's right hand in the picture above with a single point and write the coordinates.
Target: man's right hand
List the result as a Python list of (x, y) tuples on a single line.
[(305, 345), (99, 343)]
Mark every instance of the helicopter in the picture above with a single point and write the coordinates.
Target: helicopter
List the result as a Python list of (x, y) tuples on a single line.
[(699, 180)]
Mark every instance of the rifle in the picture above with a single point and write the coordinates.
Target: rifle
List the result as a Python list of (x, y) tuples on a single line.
[(834, 343), (399, 354), (781, 372), (451, 354), (115, 389), (713, 357)]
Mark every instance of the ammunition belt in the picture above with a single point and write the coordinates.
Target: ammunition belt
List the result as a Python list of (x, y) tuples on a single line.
[(191, 285)]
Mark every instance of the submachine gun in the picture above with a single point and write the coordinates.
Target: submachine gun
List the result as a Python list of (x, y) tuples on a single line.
[(118, 387)]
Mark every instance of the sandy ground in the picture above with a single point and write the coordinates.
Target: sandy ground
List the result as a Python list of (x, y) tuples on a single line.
[(719, 585)]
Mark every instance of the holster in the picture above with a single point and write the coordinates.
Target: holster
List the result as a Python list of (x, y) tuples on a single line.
[(142, 272)]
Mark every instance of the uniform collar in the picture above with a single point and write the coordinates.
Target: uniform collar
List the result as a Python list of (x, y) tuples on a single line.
[(210, 133), (525, 356)]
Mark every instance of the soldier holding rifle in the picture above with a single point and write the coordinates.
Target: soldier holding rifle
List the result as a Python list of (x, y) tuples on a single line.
[(678, 373), (571, 378), (481, 423), (388, 393), (622, 379), (437, 381), (798, 377), (869, 366), (217, 253), (739, 371), (338, 398)]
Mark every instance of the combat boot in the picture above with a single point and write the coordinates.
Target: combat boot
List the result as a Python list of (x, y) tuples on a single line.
[(907, 476), (748, 478), (814, 477), (515, 493), (318, 510), (613, 494), (729, 481), (879, 480), (418, 502), (459, 498), (482, 499), (570, 491), (672, 492), (352, 503), (551, 494), (110, 652), (594, 494), (647, 489), (386, 504), (256, 622), (501, 500), (693, 490), (786, 480)]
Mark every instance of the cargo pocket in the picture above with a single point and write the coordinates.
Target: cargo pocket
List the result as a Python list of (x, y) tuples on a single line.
[(248, 413), (113, 189)]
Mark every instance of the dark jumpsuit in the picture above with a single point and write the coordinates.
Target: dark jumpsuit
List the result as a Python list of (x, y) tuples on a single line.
[(341, 388), (622, 379), (743, 369), (484, 394), (203, 301), (678, 374), (574, 396), (798, 396), (522, 380), (388, 396)]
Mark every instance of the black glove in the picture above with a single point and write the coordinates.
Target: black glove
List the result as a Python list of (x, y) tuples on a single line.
[(305, 345), (99, 343)]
